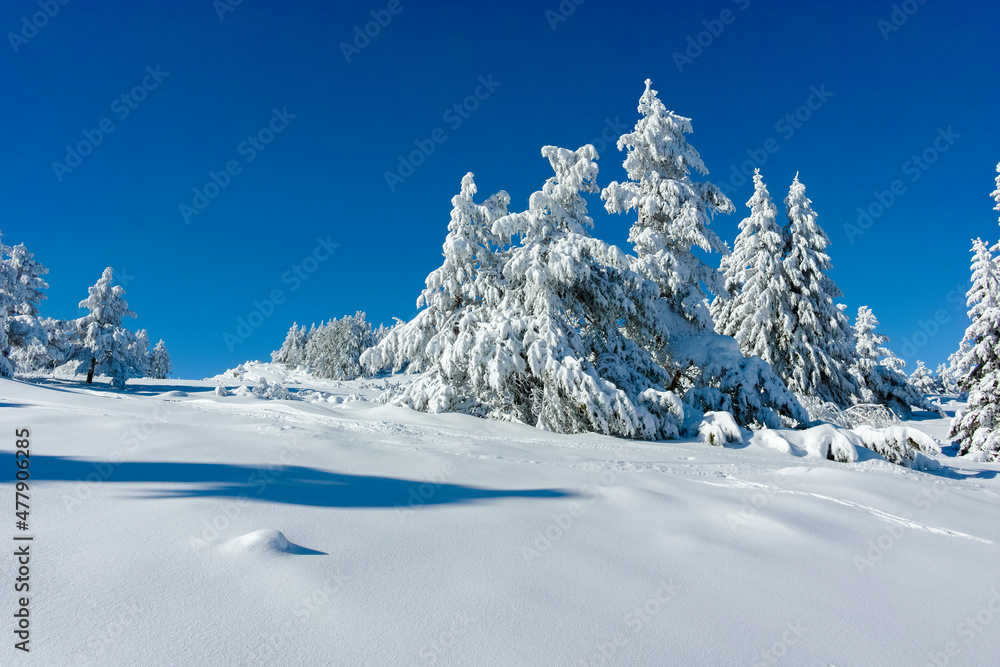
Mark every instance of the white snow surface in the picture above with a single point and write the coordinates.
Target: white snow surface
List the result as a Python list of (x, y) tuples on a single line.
[(173, 526)]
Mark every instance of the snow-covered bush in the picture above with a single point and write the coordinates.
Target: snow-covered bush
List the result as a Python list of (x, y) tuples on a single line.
[(271, 390), (718, 428), (724, 380), (901, 445)]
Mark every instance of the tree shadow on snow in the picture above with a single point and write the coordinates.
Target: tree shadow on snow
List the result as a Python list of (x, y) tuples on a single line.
[(294, 485)]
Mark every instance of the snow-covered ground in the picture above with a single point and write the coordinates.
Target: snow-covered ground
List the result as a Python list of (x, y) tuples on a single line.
[(173, 526)]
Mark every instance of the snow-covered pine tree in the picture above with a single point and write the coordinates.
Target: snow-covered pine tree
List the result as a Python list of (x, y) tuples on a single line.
[(28, 284), (876, 381), (557, 350), (159, 361), (334, 350), (293, 351), (759, 317), (8, 307), (110, 347), (140, 351), (673, 211), (921, 379), (977, 427), (819, 358), (945, 380), (469, 275)]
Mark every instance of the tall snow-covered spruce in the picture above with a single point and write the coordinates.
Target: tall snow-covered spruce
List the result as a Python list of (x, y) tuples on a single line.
[(159, 361), (818, 360), (977, 428), (469, 276), (877, 380), (551, 350), (756, 312), (674, 212)]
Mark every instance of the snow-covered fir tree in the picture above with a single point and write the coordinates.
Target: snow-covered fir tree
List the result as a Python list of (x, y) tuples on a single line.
[(759, 316), (469, 275), (553, 350), (112, 349), (921, 379), (820, 355), (8, 307), (977, 427), (334, 349), (28, 285), (292, 352), (673, 211), (159, 361), (141, 351), (877, 382), (946, 379)]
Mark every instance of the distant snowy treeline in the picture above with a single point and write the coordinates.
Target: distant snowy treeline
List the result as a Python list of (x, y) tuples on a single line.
[(96, 343), (531, 318)]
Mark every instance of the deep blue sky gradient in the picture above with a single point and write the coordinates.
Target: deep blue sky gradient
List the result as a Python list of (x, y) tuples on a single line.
[(324, 174)]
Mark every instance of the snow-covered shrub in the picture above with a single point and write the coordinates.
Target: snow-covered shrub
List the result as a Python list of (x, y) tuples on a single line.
[(725, 380), (718, 428), (220, 390), (901, 445), (271, 390)]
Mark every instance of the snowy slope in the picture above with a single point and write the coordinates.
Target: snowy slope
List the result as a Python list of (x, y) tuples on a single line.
[(239, 531)]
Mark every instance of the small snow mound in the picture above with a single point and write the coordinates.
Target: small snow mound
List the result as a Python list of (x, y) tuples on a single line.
[(175, 394), (266, 540)]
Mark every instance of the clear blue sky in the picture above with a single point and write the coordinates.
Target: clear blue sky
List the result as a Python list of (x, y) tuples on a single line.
[(323, 174)]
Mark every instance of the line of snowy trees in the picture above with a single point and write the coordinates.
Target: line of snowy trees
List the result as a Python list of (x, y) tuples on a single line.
[(331, 350), (531, 318), (96, 343)]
